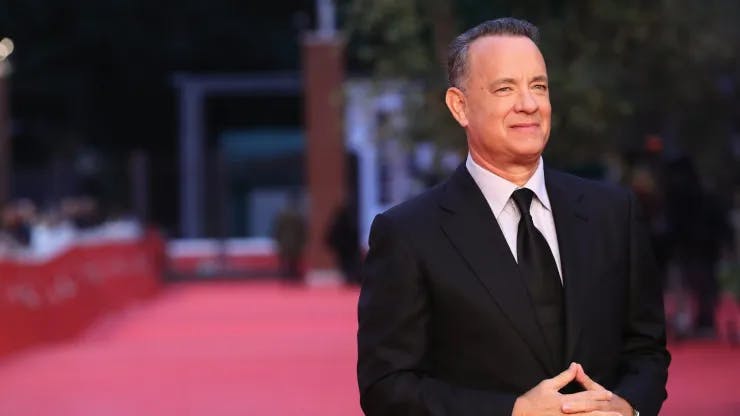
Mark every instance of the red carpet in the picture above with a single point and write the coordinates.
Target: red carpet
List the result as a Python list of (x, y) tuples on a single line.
[(703, 379), (258, 349)]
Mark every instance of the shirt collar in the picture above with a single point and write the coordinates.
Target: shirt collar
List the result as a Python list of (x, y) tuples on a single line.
[(498, 190)]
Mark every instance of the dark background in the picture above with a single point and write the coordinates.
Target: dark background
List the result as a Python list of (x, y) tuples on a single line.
[(92, 82)]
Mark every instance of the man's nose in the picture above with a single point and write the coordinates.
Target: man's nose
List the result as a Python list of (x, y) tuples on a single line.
[(526, 102)]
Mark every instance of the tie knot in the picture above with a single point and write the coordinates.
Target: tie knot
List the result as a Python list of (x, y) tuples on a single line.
[(523, 199)]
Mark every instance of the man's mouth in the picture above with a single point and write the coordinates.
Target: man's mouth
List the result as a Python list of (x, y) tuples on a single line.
[(525, 127)]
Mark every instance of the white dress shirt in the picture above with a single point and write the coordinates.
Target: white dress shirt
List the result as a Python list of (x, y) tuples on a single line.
[(497, 192)]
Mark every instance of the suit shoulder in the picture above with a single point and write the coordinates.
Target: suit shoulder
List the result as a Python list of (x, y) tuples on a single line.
[(417, 208), (597, 188)]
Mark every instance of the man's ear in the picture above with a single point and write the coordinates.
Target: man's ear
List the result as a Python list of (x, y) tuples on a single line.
[(455, 100)]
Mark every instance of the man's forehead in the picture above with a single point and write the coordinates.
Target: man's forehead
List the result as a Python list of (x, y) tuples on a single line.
[(500, 52)]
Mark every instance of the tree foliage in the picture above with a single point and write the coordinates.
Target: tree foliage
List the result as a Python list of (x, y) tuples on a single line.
[(619, 70)]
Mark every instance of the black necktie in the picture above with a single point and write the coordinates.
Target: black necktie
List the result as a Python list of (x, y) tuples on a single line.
[(540, 272)]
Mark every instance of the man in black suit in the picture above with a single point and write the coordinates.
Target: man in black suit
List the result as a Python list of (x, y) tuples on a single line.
[(510, 289)]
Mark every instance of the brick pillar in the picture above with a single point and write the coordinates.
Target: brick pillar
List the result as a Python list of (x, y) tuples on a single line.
[(323, 73), (5, 148)]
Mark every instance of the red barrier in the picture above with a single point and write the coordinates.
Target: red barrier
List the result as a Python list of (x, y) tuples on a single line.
[(57, 298)]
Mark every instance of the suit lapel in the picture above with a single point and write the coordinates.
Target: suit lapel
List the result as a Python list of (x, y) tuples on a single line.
[(474, 232), (571, 225)]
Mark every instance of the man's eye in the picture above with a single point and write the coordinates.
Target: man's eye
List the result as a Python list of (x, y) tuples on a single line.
[(504, 89), (542, 87)]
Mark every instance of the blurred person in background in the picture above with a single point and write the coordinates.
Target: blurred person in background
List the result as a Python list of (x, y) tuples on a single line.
[(343, 239), (83, 211), (17, 219), (511, 288), (60, 225), (289, 232), (734, 216), (52, 233), (645, 186), (698, 230)]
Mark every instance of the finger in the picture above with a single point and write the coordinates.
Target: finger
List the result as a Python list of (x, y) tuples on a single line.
[(561, 380), (585, 380), (584, 405), (581, 407), (592, 395)]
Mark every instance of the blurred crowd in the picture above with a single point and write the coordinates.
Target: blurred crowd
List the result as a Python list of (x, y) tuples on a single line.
[(694, 226), (27, 231), (341, 237)]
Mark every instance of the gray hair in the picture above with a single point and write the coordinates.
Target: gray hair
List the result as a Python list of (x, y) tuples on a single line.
[(457, 57)]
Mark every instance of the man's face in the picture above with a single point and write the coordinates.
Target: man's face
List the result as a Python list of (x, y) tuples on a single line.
[(504, 103)]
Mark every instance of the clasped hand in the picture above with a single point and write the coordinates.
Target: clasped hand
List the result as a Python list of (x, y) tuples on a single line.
[(545, 398)]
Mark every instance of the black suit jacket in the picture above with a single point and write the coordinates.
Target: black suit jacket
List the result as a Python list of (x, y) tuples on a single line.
[(445, 322)]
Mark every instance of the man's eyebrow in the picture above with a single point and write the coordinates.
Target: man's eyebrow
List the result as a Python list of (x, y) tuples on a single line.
[(503, 81), (538, 78)]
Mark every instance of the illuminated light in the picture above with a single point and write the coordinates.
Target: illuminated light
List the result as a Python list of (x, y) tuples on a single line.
[(6, 47), (8, 43)]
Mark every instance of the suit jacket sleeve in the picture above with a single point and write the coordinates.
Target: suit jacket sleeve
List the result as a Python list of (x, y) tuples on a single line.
[(644, 363), (393, 339)]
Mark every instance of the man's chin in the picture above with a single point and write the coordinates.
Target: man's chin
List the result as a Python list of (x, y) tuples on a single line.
[(529, 153)]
